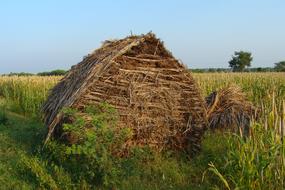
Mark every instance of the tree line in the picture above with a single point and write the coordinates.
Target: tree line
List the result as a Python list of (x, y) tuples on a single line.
[(241, 62), (57, 72)]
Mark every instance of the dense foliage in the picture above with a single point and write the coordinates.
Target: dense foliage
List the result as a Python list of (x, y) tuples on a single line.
[(280, 67), (53, 73), (240, 61)]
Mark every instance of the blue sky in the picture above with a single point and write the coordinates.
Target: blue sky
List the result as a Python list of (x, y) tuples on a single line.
[(45, 35)]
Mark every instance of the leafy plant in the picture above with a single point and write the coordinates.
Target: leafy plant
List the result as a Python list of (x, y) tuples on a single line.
[(95, 156)]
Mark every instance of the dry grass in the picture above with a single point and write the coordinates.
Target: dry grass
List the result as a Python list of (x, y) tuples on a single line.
[(28, 93), (229, 108)]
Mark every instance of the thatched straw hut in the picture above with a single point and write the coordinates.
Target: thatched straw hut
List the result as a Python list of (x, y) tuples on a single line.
[(153, 92), (229, 109)]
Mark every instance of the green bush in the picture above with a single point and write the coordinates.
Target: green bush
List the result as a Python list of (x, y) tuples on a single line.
[(93, 158)]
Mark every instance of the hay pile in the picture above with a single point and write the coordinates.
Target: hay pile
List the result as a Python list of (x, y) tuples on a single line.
[(156, 97), (228, 108)]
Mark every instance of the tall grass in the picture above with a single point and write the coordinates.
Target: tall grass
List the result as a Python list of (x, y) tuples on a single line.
[(259, 87), (257, 162), (28, 93), (228, 161)]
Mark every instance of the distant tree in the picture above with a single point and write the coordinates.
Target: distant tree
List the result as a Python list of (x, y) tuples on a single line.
[(53, 73), (20, 74), (280, 67), (211, 70), (240, 61), (258, 69), (197, 70), (262, 69), (219, 70)]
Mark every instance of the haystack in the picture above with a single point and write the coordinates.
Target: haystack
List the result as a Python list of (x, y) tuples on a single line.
[(229, 109), (154, 94)]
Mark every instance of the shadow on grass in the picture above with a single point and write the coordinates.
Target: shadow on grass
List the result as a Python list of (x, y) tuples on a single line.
[(17, 137), (25, 133)]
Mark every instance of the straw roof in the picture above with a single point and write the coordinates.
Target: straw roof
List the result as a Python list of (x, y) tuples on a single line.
[(154, 93)]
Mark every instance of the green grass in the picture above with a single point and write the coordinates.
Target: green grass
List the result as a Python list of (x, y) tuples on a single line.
[(226, 161), (240, 163), (22, 138), (18, 137)]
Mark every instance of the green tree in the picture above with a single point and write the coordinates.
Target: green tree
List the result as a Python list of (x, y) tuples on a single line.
[(240, 60), (280, 67), (53, 73)]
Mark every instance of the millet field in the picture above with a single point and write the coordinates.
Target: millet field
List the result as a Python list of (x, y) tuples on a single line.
[(227, 160)]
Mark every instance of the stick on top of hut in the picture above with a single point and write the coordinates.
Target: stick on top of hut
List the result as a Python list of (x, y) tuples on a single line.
[(156, 97)]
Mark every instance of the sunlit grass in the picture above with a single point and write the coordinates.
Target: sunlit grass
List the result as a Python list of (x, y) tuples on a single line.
[(227, 161), (27, 92)]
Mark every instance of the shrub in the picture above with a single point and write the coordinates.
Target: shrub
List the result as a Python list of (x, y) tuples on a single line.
[(94, 157)]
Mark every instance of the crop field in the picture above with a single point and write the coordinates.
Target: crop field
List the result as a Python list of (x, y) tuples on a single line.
[(227, 160)]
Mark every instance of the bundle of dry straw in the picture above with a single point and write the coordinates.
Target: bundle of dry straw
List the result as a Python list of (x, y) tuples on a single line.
[(228, 108)]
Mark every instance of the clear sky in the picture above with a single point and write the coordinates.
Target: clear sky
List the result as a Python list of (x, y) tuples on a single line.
[(55, 34)]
